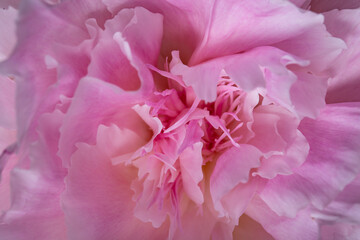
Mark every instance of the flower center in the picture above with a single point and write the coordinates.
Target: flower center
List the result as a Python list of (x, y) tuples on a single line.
[(194, 133), (222, 122)]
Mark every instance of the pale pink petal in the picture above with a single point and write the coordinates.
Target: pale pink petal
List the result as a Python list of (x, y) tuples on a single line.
[(112, 61), (334, 139), (315, 45), (308, 94), (142, 29), (109, 64), (301, 227), (98, 198), (345, 86), (284, 163), (97, 102), (8, 34), (232, 167), (133, 140), (191, 172), (236, 201), (277, 136)]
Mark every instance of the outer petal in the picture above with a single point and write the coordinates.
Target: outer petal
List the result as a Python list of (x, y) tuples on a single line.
[(341, 218), (345, 85), (35, 211), (40, 29), (244, 25), (205, 24), (333, 162)]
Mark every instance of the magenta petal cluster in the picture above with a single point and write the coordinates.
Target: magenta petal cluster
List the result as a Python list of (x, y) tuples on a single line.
[(179, 119)]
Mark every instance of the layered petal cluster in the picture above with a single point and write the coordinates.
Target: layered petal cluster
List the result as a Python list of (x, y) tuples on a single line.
[(179, 119)]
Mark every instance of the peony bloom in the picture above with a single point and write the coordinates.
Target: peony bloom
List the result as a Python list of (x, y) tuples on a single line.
[(178, 119)]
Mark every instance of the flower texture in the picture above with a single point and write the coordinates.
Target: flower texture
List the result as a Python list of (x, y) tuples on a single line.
[(180, 119)]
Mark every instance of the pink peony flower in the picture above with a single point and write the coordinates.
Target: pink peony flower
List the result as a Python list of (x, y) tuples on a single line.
[(179, 119)]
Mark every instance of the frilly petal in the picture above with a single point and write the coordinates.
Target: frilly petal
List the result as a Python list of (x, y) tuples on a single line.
[(332, 163), (232, 168)]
